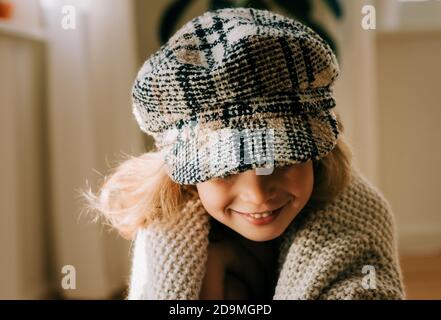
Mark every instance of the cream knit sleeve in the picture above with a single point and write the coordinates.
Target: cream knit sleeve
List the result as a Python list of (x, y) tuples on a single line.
[(167, 262), (346, 251), (139, 273), (372, 270), (368, 268)]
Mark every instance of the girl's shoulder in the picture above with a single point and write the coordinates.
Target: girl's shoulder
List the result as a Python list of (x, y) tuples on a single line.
[(361, 209), (363, 194), (361, 206)]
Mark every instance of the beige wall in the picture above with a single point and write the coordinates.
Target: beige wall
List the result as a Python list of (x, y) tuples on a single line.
[(65, 117), (409, 96), (23, 210)]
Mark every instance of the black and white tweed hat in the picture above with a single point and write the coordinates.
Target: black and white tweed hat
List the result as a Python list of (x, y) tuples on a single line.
[(236, 89)]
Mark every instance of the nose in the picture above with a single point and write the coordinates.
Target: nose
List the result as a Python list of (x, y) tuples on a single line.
[(256, 189)]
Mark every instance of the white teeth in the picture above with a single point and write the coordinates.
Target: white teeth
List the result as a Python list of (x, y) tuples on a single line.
[(260, 215)]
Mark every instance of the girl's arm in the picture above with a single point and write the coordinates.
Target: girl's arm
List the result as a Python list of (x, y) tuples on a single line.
[(139, 273), (168, 261)]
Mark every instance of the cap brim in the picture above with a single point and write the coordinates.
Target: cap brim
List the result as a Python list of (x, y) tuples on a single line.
[(265, 143)]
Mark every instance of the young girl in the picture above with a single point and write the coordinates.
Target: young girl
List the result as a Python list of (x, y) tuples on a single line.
[(250, 191)]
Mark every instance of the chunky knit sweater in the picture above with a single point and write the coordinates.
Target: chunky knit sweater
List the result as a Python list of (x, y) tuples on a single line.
[(346, 250)]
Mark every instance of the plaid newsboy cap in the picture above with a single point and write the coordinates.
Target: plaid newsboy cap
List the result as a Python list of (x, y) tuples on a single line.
[(236, 89)]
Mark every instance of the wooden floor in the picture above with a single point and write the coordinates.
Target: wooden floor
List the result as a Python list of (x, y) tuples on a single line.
[(422, 276)]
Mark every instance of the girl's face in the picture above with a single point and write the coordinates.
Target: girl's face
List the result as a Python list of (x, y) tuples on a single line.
[(230, 200)]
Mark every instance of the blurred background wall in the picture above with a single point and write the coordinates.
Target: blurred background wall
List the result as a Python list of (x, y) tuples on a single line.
[(66, 117)]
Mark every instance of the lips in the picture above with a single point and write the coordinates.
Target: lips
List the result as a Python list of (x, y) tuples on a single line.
[(262, 217), (261, 220), (259, 213)]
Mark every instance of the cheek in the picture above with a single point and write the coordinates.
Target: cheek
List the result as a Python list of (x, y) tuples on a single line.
[(307, 177), (301, 181), (214, 197)]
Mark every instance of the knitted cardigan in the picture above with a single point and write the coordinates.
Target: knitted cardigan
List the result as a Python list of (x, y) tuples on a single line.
[(322, 254)]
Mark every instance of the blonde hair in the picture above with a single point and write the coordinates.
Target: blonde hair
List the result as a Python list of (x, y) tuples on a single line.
[(139, 191)]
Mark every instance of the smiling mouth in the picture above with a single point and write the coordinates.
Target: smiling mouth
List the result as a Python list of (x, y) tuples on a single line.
[(261, 214)]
